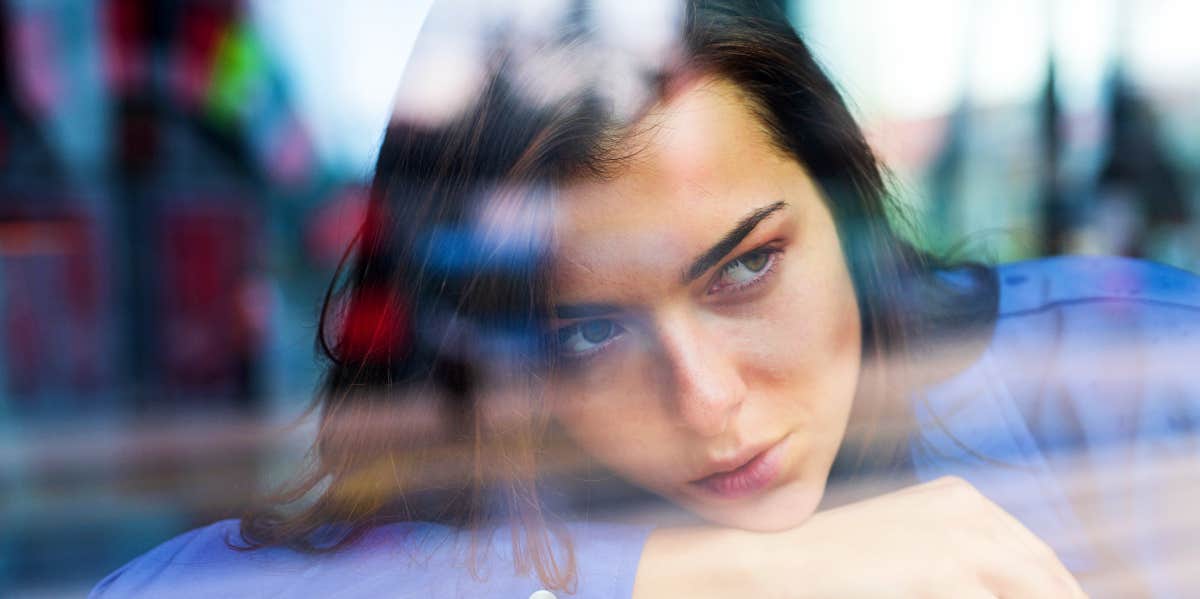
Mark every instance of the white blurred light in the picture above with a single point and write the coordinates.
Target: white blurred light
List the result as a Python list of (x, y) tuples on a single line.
[(342, 63), (545, 75), (353, 66), (627, 44), (640, 38), (1010, 51), (646, 29), (1083, 48), (442, 78), (515, 222), (893, 59), (1163, 48), (536, 19)]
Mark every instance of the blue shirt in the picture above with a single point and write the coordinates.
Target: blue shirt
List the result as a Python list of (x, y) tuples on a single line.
[(1067, 419), (1080, 418), (397, 560)]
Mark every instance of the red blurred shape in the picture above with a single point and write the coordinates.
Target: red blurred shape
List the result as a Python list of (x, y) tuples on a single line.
[(203, 26), (333, 226), (125, 52), (52, 306), (376, 327), (207, 247)]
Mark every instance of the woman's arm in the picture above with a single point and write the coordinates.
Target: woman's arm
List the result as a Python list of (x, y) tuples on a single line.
[(941, 538)]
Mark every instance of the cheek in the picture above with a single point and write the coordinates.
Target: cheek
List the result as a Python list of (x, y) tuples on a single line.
[(807, 330), (800, 354), (617, 424)]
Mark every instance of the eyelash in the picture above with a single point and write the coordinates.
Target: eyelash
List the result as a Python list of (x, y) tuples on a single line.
[(580, 357), (772, 254)]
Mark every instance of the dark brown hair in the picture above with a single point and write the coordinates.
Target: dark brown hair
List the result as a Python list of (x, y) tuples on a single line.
[(432, 303)]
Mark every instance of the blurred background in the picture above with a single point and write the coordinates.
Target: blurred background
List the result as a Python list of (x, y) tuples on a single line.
[(178, 180)]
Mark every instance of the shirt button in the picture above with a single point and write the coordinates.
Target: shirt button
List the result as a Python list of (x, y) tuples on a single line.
[(542, 594)]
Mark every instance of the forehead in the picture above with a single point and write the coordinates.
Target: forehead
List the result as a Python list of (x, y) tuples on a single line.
[(699, 164)]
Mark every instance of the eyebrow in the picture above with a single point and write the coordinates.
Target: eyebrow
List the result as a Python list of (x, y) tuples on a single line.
[(699, 266), (716, 253)]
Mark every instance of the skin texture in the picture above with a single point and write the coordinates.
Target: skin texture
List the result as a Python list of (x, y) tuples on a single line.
[(951, 542), (694, 373)]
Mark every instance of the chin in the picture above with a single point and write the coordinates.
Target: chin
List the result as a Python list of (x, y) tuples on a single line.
[(775, 510)]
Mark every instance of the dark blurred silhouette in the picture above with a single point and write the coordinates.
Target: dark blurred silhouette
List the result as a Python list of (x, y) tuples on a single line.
[(187, 191), (1139, 191)]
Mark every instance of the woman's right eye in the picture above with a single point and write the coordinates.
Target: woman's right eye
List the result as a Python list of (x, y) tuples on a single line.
[(586, 338)]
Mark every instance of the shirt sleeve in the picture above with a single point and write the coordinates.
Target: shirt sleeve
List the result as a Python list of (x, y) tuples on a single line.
[(409, 559), (1082, 419), (1103, 358)]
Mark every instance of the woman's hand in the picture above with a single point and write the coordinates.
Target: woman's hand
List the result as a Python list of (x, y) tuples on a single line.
[(938, 539)]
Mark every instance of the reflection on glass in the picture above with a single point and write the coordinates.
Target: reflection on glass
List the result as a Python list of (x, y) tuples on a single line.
[(632, 302)]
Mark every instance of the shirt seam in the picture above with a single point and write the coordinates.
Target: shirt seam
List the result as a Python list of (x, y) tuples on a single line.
[(1096, 300)]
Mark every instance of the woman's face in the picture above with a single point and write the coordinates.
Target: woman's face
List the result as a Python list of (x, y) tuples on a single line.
[(709, 335)]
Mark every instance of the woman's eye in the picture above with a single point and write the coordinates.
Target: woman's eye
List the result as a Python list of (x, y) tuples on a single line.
[(588, 337), (746, 270)]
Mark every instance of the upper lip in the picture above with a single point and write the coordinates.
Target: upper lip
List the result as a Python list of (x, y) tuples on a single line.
[(730, 462)]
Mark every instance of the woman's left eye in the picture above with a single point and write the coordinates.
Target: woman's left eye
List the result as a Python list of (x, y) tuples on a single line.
[(746, 270), (585, 338)]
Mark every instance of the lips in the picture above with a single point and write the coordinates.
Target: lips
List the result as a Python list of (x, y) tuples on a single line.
[(744, 475)]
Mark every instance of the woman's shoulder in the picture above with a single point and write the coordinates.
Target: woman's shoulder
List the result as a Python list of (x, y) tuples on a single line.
[(1118, 326), (1081, 348), (1058, 283), (212, 562), (193, 548), (409, 558), (1089, 381), (1071, 321), (1084, 351)]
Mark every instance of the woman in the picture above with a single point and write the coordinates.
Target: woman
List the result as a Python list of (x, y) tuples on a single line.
[(678, 260)]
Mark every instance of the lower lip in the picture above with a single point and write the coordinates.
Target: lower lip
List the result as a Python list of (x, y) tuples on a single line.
[(748, 479)]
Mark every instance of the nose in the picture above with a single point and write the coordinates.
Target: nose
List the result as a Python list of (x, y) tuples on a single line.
[(706, 388)]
